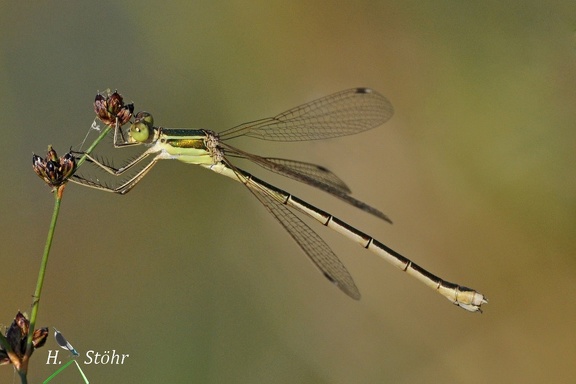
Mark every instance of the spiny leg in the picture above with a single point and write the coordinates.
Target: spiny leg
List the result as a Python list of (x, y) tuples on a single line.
[(116, 171), (122, 189)]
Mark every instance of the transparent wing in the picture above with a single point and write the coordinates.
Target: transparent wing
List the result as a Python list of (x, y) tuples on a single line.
[(310, 174), (343, 113), (313, 246), (312, 171)]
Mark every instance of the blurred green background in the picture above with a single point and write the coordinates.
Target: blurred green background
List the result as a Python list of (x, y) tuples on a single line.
[(197, 283)]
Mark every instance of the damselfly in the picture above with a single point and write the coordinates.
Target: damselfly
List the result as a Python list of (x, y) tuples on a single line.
[(344, 113), (62, 342)]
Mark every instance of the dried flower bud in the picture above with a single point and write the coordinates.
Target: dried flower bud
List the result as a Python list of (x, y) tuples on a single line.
[(111, 109), (17, 336), (53, 170)]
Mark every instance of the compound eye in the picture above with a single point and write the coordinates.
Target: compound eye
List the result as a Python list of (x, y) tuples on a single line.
[(139, 132), (144, 117), (143, 125)]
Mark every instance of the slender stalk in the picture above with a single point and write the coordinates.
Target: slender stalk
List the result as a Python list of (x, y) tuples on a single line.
[(40, 282), (94, 144), (58, 371), (44, 263)]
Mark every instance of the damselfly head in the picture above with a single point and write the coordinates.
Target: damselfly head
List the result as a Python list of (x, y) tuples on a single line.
[(142, 128)]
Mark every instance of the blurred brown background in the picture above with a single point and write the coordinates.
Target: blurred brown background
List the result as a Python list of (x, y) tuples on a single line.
[(193, 279)]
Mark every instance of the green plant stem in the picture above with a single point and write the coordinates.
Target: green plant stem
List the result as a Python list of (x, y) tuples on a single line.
[(58, 371), (93, 145), (40, 282)]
